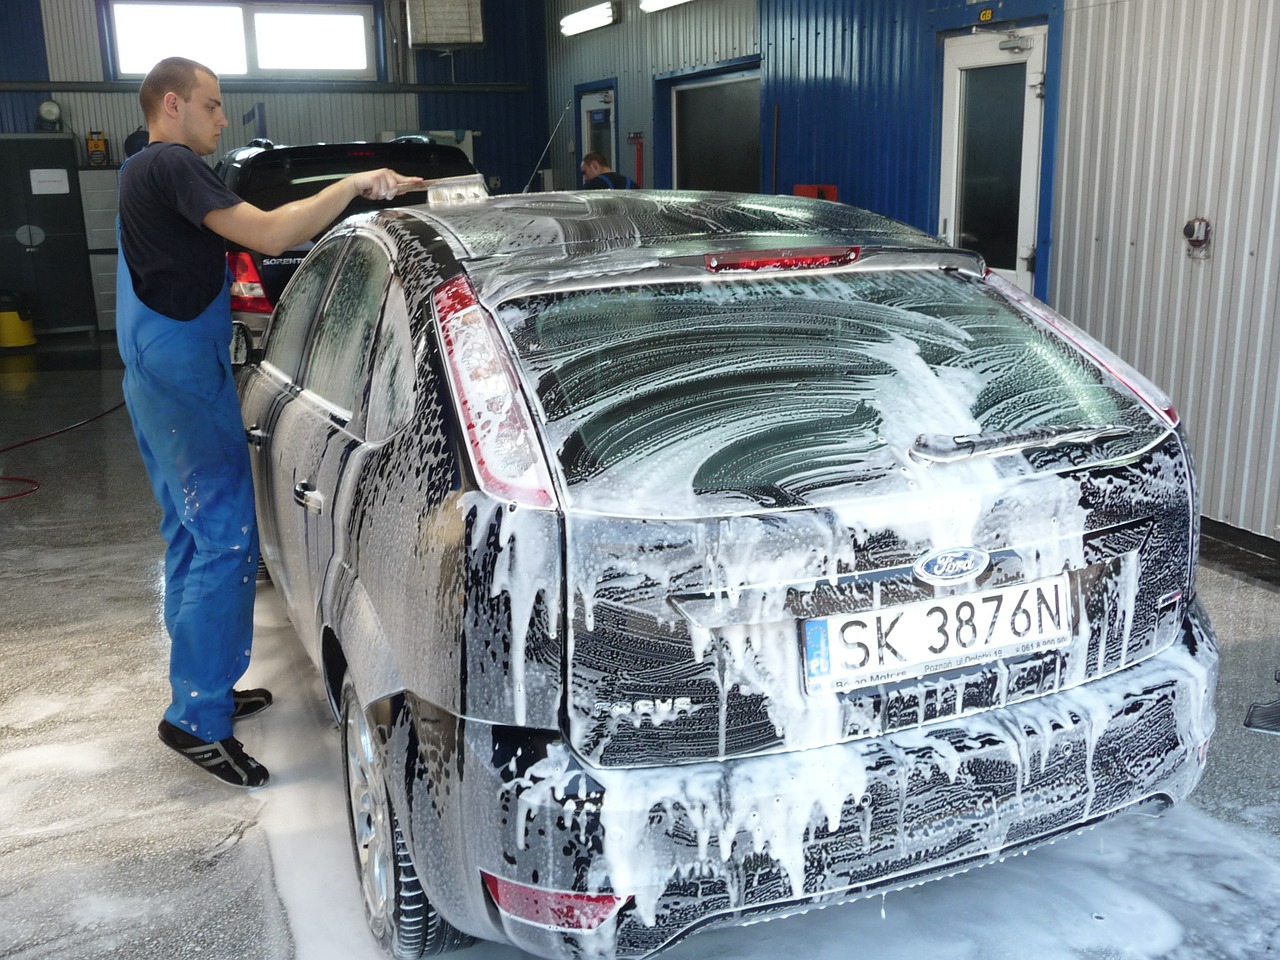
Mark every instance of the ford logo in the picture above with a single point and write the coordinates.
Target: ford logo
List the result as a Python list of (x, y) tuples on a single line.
[(953, 565)]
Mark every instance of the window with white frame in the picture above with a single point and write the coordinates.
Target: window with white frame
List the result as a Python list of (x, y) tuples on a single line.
[(246, 39)]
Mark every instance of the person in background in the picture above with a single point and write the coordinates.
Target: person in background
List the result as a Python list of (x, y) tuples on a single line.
[(173, 329), (596, 174)]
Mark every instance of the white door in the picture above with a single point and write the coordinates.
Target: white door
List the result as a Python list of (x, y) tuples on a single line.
[(992, 132), (599, 124)]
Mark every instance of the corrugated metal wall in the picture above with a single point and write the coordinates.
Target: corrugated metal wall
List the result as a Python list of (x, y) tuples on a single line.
[(634, 51), (852, 85), (855, 84), (515, 122), (23, 59), (1171, 110)]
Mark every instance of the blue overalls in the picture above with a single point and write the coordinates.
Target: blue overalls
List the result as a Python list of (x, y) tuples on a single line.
[(182, 400)]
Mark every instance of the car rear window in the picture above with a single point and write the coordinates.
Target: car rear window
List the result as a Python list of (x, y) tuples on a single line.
[(272, 179), (776, 391)]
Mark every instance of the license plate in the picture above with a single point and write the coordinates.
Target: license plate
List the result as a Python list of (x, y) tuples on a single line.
[(916, 639)]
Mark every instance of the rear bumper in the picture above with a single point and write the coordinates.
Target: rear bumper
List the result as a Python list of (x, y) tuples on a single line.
[(709, 844)]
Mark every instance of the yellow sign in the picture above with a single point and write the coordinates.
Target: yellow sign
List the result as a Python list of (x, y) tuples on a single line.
[(986, 16)]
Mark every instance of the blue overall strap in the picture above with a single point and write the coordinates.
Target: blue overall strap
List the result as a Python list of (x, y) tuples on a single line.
[(186, 417)]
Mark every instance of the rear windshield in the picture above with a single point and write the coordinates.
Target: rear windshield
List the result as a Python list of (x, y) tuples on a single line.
[(269, 181), (783, 391)]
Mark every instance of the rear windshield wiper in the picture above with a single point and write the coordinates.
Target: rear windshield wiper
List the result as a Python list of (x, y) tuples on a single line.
[(942, 448)]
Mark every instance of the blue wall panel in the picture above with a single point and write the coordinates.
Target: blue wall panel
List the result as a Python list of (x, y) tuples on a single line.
[(22, 57), (854, 86), (850, 86), (513, 126)]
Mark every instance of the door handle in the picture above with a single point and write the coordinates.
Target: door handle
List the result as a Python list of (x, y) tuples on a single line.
[(256, 436), (305, 495)]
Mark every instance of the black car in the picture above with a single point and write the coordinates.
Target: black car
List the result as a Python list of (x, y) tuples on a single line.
[(679, 559), (268, 176)]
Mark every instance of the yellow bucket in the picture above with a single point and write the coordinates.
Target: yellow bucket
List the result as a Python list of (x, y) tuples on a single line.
[(14, 330)]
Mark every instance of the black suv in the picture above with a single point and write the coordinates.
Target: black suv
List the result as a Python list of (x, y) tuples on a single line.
[(267, 176)]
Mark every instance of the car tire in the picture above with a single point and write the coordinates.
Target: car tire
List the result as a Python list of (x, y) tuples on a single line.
[(400, 916)]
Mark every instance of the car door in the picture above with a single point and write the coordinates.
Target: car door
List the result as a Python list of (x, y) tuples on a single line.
[(327, 444), (269, 406)]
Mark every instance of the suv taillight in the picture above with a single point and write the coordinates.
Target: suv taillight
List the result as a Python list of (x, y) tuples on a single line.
[(504, 448), (247, 295)]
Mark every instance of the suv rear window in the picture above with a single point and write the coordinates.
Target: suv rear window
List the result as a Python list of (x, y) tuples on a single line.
[(759, 391), (276, 177)]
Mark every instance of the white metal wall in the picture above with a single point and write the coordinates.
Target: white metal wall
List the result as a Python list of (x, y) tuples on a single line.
[(635, 50), (1170, 111), (71, 38)]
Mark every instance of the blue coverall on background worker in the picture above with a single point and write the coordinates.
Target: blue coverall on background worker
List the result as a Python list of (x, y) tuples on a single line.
[(173, 327)]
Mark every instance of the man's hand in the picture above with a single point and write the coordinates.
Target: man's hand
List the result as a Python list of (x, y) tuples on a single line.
[(382, 184)]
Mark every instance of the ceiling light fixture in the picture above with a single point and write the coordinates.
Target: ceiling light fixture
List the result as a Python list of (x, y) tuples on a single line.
[(651, 6), (600, 15)]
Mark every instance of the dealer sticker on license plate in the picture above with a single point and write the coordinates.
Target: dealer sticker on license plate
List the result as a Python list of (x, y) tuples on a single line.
[(915, 639)]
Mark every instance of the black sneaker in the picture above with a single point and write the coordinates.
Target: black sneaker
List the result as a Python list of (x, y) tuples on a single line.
[(225, 759), (250, 702)]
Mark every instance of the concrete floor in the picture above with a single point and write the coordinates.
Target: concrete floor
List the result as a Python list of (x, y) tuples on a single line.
[(83, 812), (109, 845)]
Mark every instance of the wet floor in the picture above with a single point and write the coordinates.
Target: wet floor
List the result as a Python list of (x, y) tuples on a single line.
[(112, 847)]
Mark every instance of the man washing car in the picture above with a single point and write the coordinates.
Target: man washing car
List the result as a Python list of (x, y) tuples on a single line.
[(173, 326)]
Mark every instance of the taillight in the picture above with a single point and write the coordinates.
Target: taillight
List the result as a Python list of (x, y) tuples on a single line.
[(809, 258), (504, 448), (1144, 389), (558, 909), (247, 295)]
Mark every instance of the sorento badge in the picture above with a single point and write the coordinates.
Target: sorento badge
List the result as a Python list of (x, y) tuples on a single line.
[(952, 565)]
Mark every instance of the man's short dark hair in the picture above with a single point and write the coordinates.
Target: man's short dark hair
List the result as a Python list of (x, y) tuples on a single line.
[(176, 74), (596, 157)]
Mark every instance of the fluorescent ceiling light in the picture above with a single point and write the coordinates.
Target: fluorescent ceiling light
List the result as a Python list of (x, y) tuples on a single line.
[(601, 15), (650, 6)]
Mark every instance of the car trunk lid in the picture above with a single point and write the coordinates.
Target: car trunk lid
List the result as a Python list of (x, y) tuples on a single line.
[(782, 495), (715, 637)]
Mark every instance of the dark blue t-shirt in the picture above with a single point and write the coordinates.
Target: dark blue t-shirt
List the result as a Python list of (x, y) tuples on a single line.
[(610, 180), (178, 266)]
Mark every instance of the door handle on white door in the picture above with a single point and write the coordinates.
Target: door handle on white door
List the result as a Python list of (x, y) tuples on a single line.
[(305, 495)]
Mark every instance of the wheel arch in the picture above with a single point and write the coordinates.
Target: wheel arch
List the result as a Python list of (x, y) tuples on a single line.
[(352, 639)]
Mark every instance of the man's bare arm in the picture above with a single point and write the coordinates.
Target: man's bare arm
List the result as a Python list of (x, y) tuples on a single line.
[(274, 231)]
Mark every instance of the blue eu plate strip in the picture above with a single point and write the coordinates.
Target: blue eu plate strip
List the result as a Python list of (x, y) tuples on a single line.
[(817, 649)]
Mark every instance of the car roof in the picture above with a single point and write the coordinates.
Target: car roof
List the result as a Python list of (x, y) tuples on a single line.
[(511, 243)]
